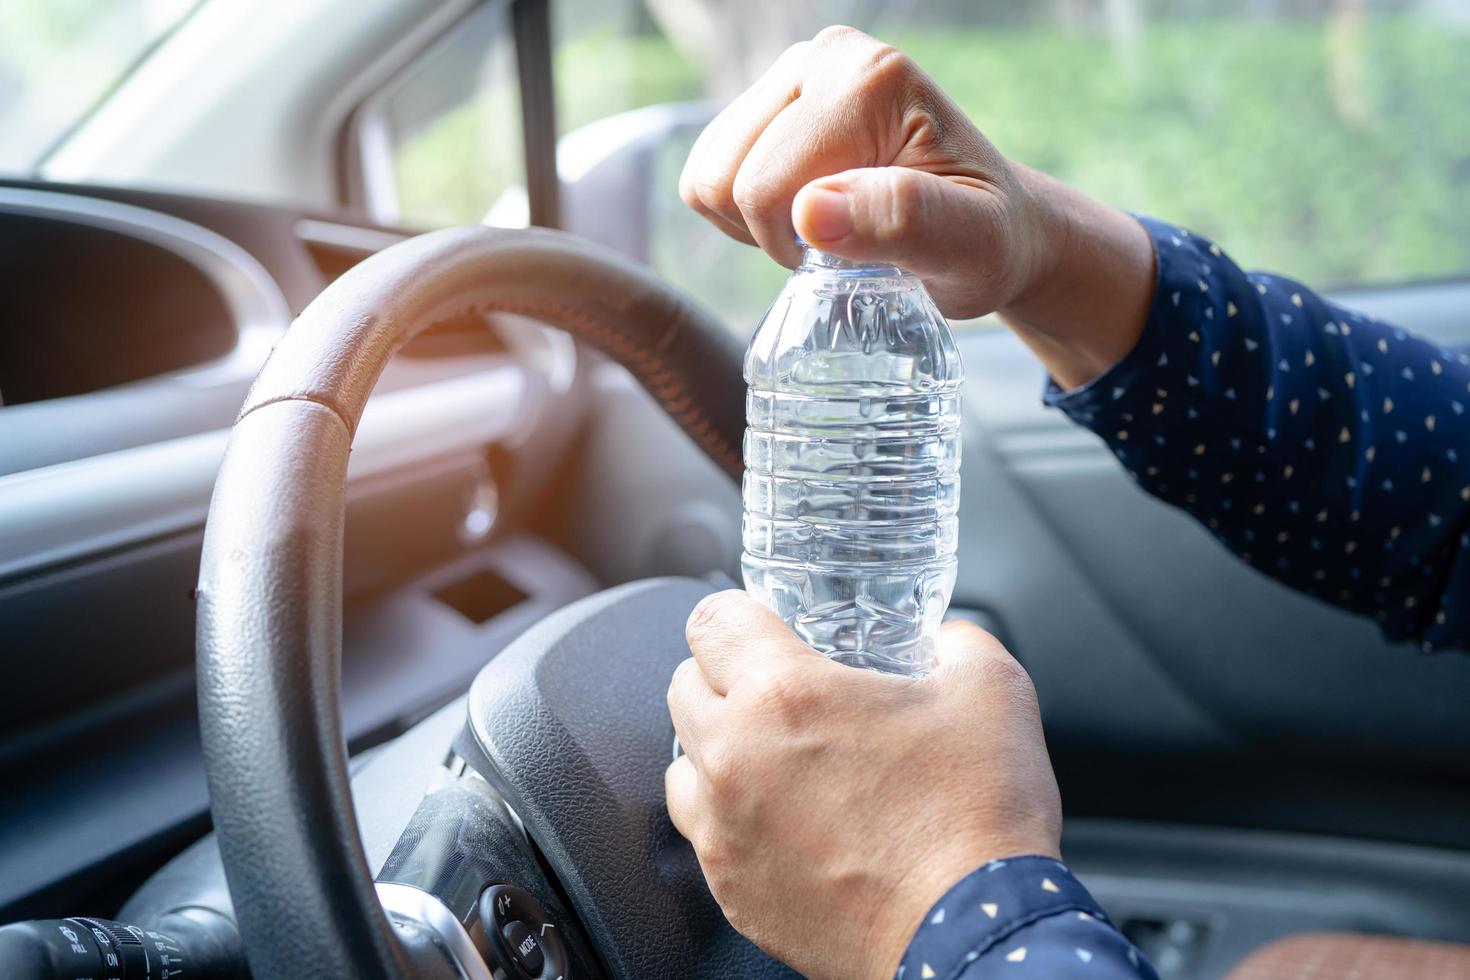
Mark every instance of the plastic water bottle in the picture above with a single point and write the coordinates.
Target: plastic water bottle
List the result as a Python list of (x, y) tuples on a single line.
[(852, 455)]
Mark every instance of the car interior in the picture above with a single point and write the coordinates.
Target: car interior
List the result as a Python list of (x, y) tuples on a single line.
[(453, 225)]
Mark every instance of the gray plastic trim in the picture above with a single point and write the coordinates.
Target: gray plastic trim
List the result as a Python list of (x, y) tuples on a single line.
[(259, 309), (354, 237), (63, 512)]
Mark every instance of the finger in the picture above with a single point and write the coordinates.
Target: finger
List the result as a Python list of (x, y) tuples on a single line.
[(693, 191), (846, 115), (736, 231), (901, 216), (694, 706), (730, 634), (681, 794), (823, 107), (707, 181), (797, 144)]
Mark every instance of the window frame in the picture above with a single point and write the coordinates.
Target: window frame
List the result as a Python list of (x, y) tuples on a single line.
[(365, 170)]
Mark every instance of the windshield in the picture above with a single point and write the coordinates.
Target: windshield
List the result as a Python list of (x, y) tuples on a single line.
[(60, 58)]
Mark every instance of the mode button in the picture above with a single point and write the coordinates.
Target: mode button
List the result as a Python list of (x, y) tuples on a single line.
[(524, 947), (524, 940)]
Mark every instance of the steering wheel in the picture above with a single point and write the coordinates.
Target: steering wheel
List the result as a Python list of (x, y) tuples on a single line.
[(569, 724)]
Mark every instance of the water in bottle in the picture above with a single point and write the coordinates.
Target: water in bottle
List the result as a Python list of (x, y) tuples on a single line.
[(852, 454)]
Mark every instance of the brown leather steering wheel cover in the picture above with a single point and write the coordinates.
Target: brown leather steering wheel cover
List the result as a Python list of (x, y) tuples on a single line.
[(269, 623)]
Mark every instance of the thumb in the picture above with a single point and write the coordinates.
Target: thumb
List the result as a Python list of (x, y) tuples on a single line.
[(927, 224)]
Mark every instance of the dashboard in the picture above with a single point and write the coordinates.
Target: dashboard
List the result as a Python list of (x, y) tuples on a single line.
[(135, 323)]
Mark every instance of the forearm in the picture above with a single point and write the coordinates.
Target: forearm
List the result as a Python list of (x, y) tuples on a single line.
[(1091, 281), (1325, 448)]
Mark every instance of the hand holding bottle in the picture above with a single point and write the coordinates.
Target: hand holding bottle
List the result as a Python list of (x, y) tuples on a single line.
[(846, 142), (830, 807)]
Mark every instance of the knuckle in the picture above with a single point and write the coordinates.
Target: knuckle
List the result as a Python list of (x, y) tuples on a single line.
[(885, 70), (796, 52), (689, 193), (720, 767), (763, 681), (975, 634), (710, 194), (837, 33), (709, 845), (735, 914), (705, 616), (712, 189), (1004, 675), (681, 680), (684, 673), (784, 694), (752, 194), (903, 217)]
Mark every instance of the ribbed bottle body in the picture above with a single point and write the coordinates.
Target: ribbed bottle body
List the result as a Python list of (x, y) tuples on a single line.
[(852, 455)]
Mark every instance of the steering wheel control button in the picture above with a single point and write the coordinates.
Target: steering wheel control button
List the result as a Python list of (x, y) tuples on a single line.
[(524, 947), (524, 939)]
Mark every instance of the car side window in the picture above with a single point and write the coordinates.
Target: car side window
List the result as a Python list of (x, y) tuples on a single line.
[(617, 62), (441, 144)]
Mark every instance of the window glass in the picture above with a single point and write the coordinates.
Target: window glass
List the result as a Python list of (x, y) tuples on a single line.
[(1325, 139), (611, 56), (452, 128), (729, 277), (58, 58)]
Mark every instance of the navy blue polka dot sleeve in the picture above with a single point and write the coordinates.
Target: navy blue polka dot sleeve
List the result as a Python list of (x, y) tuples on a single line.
[(1327, 449), (1021, 917)]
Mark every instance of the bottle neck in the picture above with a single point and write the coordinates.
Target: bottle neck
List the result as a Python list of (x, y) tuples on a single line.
[(815, 260)]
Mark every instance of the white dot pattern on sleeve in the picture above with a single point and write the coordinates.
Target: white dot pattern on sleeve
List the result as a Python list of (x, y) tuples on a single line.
[(1025, 917), (1325, 445)]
